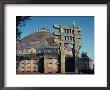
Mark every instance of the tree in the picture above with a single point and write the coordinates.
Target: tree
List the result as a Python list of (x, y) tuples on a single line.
[(20, 22), (86, 69), (84, 55)]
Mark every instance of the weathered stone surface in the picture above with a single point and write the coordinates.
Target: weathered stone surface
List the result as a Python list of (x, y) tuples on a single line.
[(50, 65), (38, 40)]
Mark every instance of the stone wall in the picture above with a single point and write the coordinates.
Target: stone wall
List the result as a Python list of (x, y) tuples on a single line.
[(50, 65), (27, 66)]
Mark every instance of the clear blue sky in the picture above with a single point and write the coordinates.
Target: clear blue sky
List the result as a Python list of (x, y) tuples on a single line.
[(85, 22)]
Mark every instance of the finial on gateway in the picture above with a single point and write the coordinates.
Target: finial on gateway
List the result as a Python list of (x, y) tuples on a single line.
[(74, 23)]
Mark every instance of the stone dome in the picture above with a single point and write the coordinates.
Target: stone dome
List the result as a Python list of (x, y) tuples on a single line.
[(37, 40)]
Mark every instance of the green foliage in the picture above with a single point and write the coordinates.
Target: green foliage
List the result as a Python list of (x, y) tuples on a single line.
[(84, 56), (20, 22)]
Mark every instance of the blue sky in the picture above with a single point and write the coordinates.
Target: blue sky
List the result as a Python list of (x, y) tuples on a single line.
[(85, 22)]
